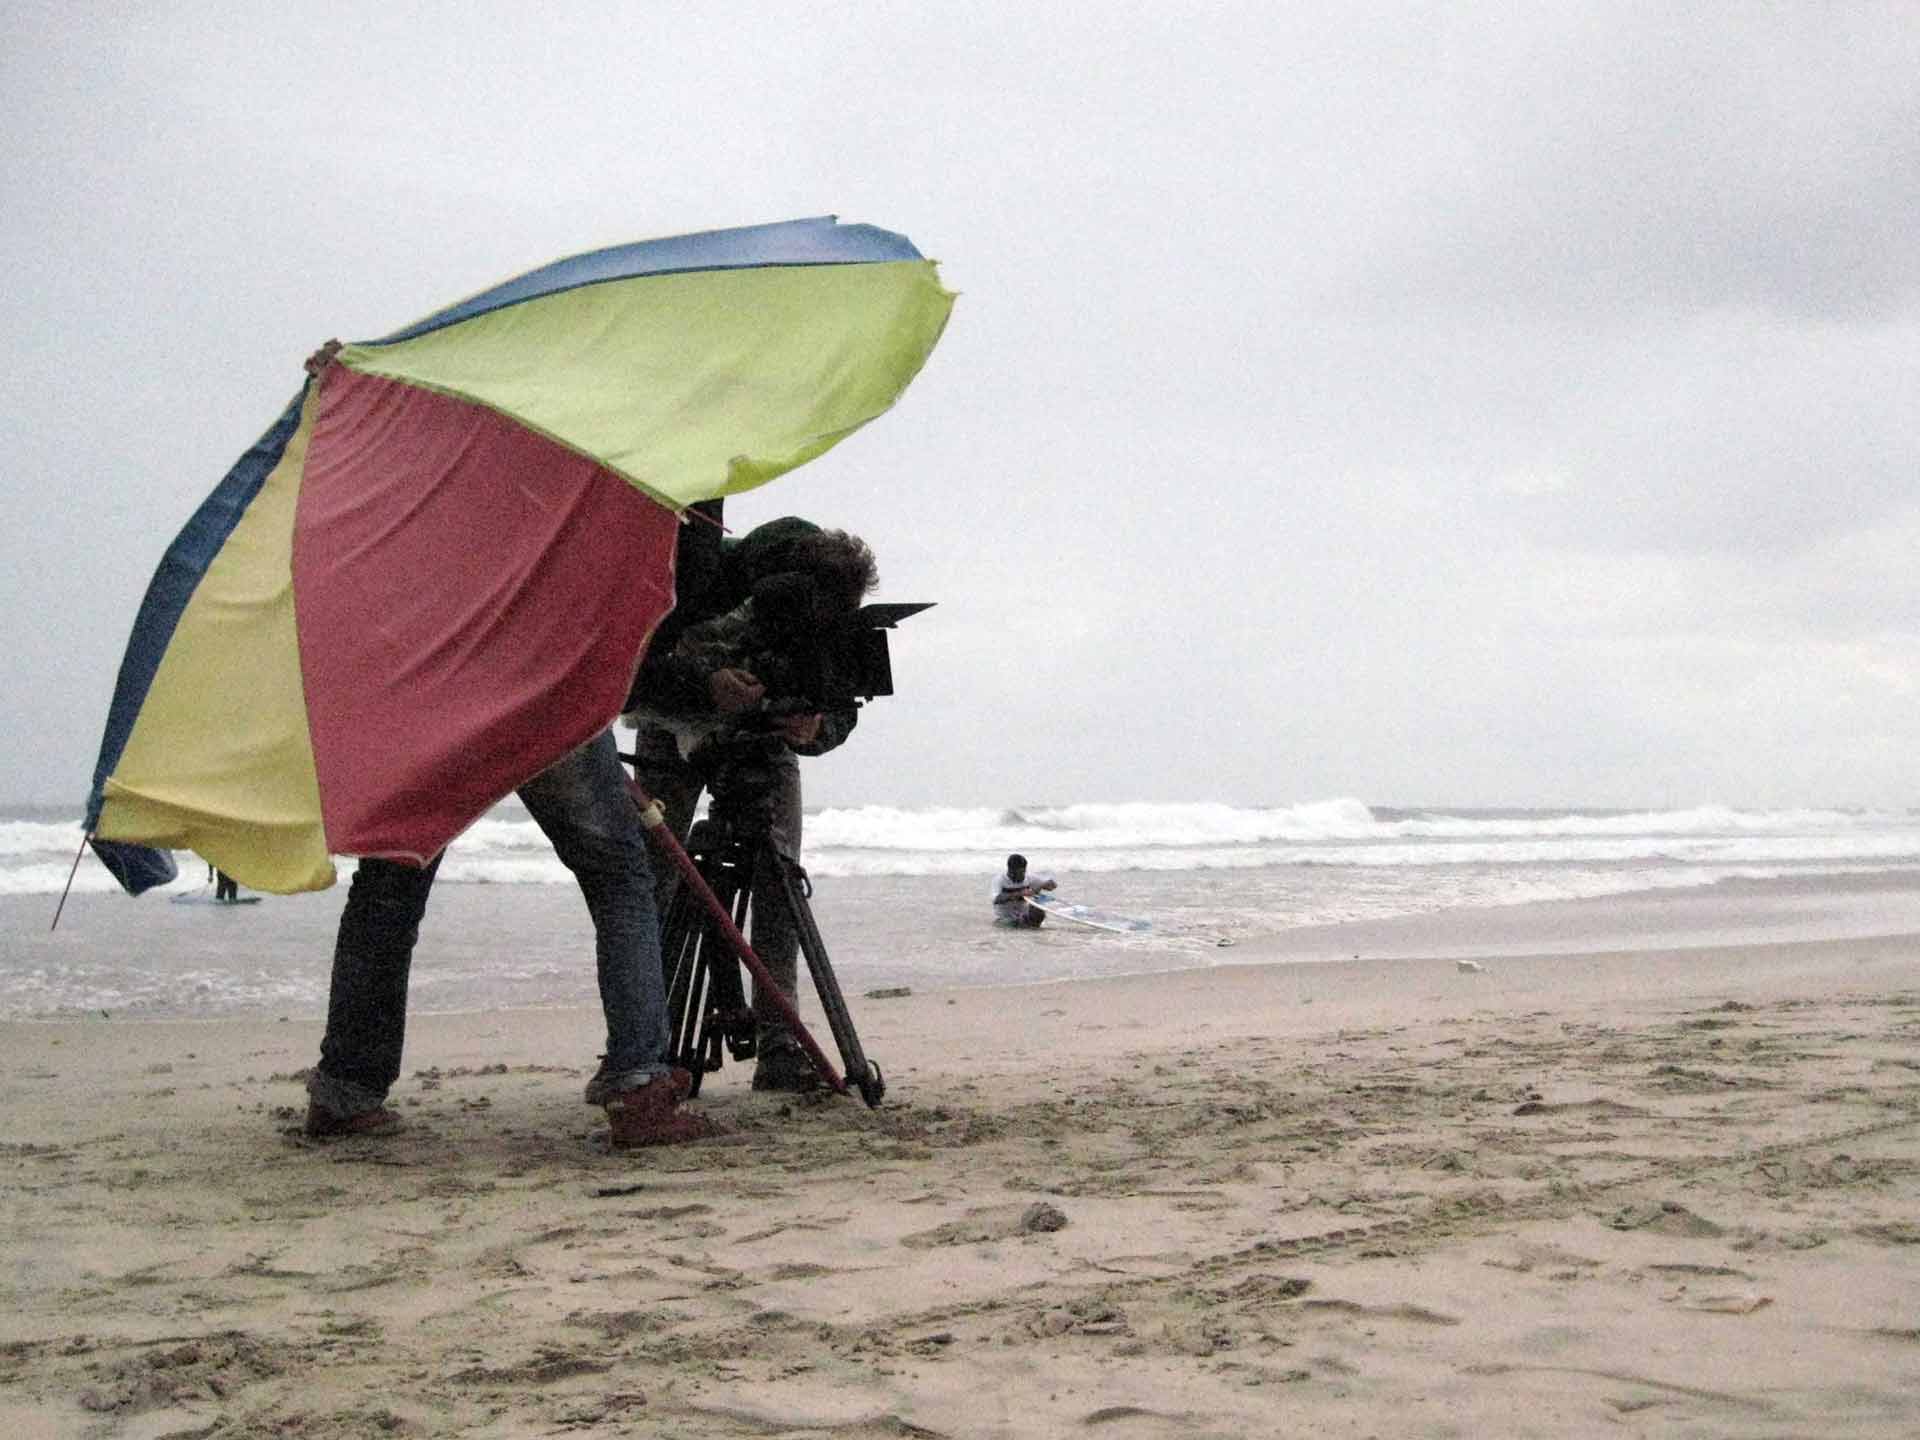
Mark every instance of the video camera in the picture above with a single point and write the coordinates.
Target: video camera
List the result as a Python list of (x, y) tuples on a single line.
[(812, 657)]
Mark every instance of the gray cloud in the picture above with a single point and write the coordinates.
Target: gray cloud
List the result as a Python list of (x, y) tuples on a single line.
[(1639, 160), (1492, 405)]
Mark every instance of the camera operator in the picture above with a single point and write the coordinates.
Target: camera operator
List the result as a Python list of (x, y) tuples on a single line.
[(722, 704)]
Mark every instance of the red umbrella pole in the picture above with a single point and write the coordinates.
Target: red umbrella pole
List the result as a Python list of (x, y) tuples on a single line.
[(655, 820)]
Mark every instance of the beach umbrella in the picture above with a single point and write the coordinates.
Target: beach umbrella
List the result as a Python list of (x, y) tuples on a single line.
[(436, 572)]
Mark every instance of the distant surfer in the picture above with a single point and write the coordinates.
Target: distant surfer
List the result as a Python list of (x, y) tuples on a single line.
[(1010, 894), (225, 888)]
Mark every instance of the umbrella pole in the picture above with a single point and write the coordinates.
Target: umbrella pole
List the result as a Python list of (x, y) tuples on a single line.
[(655, 820), (64, 893)]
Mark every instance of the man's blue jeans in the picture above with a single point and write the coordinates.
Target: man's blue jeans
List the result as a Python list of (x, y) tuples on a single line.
[(583, 806)]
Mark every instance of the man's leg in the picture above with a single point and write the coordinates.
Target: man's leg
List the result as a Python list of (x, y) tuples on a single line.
[(663, 772), (583, 806), (367, 1000)]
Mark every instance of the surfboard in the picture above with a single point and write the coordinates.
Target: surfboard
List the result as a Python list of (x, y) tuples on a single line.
[(200, 898), (1088, 915)]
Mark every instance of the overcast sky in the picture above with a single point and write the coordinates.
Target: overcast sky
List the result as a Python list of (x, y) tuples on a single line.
[(1491, 403)]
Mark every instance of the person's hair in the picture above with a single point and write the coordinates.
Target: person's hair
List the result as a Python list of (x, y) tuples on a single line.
[(1016, 862), (842, 565)]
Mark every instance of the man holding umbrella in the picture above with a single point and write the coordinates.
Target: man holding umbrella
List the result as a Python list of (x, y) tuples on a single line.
[(582, 805), (436, 573)]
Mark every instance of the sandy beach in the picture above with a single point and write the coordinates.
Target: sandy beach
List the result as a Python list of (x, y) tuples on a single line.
[(1654, 1192)]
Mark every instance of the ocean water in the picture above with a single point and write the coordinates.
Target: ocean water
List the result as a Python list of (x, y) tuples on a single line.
[(901, 895)]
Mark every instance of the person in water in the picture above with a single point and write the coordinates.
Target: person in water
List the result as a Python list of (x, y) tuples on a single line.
[(1010, 892)]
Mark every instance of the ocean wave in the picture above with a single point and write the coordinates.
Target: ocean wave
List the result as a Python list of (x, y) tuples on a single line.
[(1701, 820), (1127, 825), (1345, 821), (1106, 840), (873, 840), (20, 839)]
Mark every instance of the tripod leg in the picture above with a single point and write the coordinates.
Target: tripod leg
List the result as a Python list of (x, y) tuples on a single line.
[(859, 1069), (682, 955), (717, 911), (727, 1005), (706, 1000), (782, 1065)]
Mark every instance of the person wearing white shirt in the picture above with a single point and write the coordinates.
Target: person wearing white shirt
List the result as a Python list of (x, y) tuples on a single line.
[(1010, 894)]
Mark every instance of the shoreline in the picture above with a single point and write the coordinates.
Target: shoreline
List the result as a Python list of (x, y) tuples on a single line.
[(488, 947), (1727, 912), (1668, 1189)]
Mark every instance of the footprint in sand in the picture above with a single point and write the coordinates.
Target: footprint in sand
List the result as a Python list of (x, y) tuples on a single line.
[(1891, 1232), (1418, 1314), (1740, 1303), (999, 1222), (1529, 1256), (1663, 1217), (1594, 1107)]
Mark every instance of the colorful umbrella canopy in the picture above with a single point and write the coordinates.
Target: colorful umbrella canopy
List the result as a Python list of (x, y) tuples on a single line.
[(436, 573)]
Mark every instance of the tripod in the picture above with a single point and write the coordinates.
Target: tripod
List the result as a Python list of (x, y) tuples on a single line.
[(702, 950)]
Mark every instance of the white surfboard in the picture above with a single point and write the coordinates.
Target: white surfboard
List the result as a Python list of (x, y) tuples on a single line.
[(200, 897), (1088, 915)]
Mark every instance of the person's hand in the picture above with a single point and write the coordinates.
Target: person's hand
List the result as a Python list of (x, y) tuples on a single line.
[(734, 690), (798, 729), (323, 357)]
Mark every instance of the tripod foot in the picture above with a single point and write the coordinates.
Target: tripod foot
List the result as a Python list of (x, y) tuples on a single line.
[(872, 1085)]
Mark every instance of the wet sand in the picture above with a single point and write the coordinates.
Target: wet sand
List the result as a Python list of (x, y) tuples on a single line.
[(1653, 1192)]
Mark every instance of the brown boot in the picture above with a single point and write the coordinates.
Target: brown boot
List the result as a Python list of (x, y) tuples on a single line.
[(651, 1115), (784, 1066), (600, 1088)]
